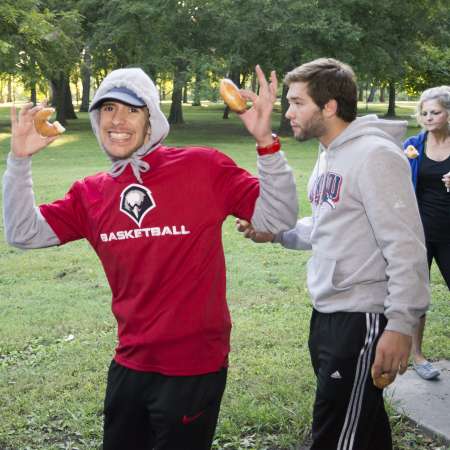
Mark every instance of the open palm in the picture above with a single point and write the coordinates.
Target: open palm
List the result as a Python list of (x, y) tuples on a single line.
[(258, 118), (25, 140)]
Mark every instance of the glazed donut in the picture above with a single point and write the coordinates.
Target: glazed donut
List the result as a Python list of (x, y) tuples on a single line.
[(382, 381), (232, 97), (45, 128), (411, 152)]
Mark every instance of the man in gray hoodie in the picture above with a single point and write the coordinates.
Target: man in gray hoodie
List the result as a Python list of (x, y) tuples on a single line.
[(155, 222), (367, 275)]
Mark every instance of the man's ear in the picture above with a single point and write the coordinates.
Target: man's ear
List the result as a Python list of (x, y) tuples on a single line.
[(330, 109)]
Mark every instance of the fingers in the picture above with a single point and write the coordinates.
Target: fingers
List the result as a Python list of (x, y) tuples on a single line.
[(403, 365), (261, 77), (246, 228), (392, 352), (49, 140), (377, 366), (446, 180), (242, 225), (25, 109), (386, 364), (248, 95), (264, 84), (273, 84), (27, 113)]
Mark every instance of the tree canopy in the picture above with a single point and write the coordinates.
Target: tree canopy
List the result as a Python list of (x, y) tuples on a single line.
[(192, 43)]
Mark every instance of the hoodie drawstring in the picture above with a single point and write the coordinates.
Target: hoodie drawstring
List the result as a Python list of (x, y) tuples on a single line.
[(137, 166)]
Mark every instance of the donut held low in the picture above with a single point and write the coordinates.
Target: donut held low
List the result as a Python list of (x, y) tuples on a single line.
[(232, 97), (44, 127), (382, 381)]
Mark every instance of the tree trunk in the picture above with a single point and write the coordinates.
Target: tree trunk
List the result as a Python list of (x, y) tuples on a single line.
[(53, 93), (62, 99), (360, 93), (371, 96), (70, 111), (285, 127), (33, 93), (382, 94), (77, 91), (85, 80), (9, 97), (162, 88), (197, 87), (176, 108), (226, 112), (254, 82), (391, 108), (185, 94)]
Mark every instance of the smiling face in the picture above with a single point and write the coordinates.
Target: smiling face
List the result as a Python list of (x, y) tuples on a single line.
[(434, 116), (305, 117), (123, 128)]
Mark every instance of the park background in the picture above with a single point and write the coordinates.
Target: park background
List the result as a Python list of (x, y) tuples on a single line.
[(57, 334)]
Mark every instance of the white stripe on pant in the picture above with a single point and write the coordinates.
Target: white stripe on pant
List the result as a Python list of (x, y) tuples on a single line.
[(347, 436)]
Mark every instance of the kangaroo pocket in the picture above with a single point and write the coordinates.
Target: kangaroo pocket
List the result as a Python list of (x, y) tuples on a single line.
[(321, 271), (328, 276)]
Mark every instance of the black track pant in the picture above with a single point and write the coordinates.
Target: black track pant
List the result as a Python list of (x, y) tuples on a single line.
[(145, 411), (348, 411), (440, 252)]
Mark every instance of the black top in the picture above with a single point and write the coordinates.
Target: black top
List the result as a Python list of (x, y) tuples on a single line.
[(433, 199)]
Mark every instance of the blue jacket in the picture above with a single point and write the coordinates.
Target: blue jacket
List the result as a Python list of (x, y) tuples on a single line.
[(418, 141)]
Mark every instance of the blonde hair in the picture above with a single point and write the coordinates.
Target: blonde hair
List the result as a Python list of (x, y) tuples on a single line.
[(439, 93)]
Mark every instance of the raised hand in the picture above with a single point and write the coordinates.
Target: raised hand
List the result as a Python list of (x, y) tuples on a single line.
[(25, 140), (258, 119)]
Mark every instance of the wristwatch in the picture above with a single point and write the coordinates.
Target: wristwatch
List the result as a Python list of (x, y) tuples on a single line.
[(271, 148)]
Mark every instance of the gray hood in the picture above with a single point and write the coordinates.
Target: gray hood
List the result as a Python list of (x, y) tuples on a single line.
[(140, 83), (371, 125)]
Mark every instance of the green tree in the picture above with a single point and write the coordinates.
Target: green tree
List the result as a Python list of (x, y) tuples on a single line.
[(390, 36), (39, 41), (431, 68)]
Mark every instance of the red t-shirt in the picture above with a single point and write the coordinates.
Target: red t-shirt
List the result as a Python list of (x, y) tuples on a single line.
[(161, 248)]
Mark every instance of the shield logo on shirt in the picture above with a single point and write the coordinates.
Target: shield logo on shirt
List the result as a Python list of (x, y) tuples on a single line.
[(136, 201)]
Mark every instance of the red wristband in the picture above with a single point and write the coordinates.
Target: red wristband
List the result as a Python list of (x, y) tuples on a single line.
[(269, 149)]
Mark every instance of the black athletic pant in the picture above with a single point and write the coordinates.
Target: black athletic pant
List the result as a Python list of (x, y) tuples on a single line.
[(145, 411), (348, 411), (440, 252)]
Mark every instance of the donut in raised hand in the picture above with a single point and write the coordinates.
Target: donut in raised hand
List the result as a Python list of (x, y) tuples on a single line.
[(44, 127), (232, 97)]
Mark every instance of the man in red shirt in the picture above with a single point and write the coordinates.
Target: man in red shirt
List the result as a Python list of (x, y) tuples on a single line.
[(155, 221)]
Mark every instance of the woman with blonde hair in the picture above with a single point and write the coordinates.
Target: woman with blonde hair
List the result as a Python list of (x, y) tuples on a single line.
[(430, 167)]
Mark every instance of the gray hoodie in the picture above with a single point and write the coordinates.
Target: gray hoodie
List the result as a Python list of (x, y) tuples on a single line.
[(368, 251), (275, 210)]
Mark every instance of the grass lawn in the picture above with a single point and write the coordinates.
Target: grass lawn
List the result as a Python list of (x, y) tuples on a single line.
[(57, 334)]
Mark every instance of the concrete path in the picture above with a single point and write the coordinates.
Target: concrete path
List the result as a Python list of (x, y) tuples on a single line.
[(426, 403)]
